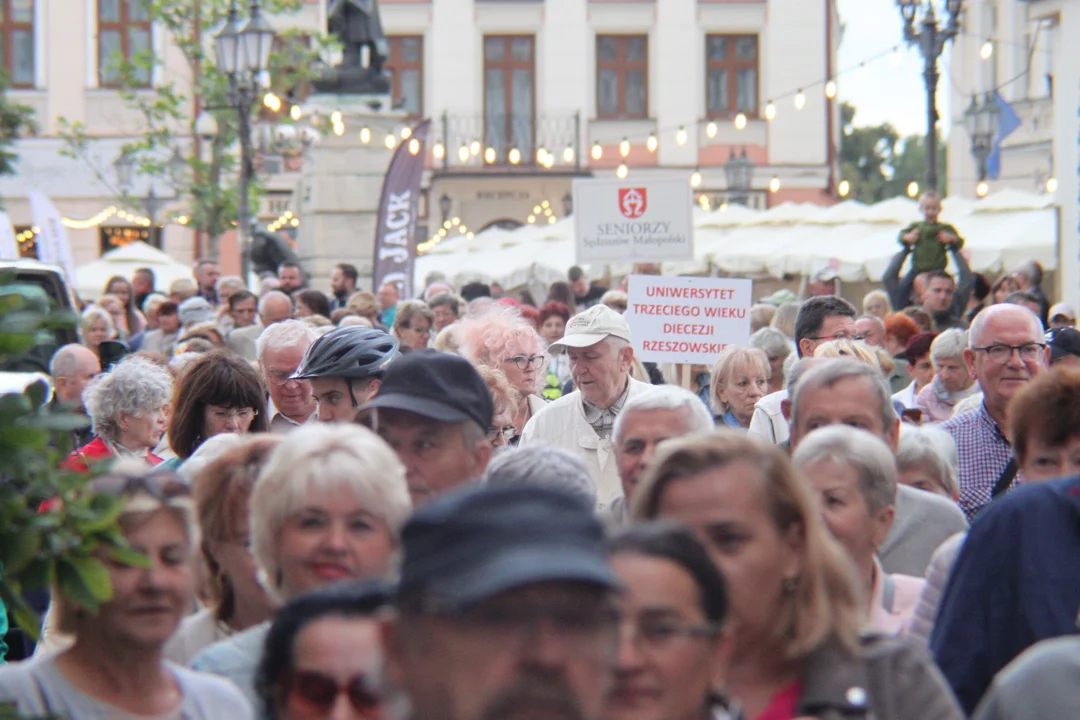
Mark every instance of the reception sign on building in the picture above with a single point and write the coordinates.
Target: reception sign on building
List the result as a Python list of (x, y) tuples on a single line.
[(687, 319), (633, 220)]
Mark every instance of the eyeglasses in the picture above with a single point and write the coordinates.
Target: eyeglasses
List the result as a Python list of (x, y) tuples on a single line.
[(1029, 352), (278, 377), (164, 485), (238, 414), (320, 692), (662, 633), (586, 628), (507, 431), (855, 337), (525, 361)]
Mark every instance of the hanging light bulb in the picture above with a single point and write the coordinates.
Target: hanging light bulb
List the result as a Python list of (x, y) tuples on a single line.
[(652, 143), (843, 188), (568, 154), (339, 129), (597, 151), (681, 137), (740, 121), (514, 156), (463, 153), (474, 148), (335, 117), (982, 189), (770, 110), (987, 50), (711, 129), (391, 141), (774, 184), (414, 146), (296, 112), (541, 155), (531, 219), (489, 155), (624, 147), (365, 135), (1051, 185), (830, 89), (695, 179), (800, 100), (912, 189), (406, 132), (622, 171), (438, 151)]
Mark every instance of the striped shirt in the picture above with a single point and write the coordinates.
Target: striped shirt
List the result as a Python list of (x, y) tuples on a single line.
[(984, 452)]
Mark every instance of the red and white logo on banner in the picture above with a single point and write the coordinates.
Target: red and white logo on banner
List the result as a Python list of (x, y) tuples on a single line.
[(633, 202)]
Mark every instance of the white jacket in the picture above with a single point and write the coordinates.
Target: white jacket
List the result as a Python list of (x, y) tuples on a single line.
[(562, 424), (768, 422)]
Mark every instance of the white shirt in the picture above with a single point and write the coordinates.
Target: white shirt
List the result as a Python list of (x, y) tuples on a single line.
[(768, 421), (906, 397)]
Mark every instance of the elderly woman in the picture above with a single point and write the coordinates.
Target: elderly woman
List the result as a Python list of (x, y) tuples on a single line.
[(223, 505), (328, 506), (876, 303), (784, 319), (952, 382), (218, 392), (552, 323), (853, 474), (740, 377), (546, 466), (97, 327), (926, 459), (363, 304), (127, 407), (777, 348), (499, 338), (674, 644), (323, 656), (796, 612), (412, 325), (119, 288), (115, 667), (506, 400)]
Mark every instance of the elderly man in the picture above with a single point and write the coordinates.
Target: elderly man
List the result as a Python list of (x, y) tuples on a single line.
[(206, 274), (290, 278), (847, 392), (280, 350), (952, 382), (872, 329), (820, 319), (274, 307), (435, 411), (1006, 348), (71, 368), (647, 420), (506, 608), (597, 343), (243, 307), (343, 284)]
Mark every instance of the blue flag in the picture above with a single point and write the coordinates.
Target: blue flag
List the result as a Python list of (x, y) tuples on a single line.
[(1008, 123)]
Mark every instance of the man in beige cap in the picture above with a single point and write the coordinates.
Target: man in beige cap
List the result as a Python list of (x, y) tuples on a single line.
[(597, 342)]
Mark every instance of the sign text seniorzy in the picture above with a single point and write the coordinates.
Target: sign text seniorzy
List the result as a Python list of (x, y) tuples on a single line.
[(687, 319), (633, 221)]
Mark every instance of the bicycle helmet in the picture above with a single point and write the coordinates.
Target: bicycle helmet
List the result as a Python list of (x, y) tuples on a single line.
[(353, 352)]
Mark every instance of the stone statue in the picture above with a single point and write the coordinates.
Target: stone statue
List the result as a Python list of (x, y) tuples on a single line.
[(356, 24)]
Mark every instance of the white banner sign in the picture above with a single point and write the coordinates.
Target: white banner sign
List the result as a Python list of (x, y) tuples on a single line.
[(52, 242), (633, 220), (9, 246), (687, 319)]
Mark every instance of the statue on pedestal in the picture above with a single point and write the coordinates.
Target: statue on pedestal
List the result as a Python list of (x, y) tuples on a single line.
[(356, 24)]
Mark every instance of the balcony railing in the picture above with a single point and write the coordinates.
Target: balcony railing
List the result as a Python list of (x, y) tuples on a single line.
[(497, 140)]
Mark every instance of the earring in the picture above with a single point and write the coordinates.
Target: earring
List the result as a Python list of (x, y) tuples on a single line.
[(789, 584)]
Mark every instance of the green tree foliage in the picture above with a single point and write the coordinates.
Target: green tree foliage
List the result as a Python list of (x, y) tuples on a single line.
[(166, 109), (16, 120), (879, 163)]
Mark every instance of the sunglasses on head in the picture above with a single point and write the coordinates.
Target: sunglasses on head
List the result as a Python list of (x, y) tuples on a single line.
[(161, 484), (320, 692)]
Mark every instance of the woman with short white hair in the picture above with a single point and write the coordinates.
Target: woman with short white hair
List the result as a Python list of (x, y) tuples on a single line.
[(127, 411), (740, 377), (853, 473), (952, 381), (328, 506), (777, 348), (926, 459), (97, 327), (544, 466)]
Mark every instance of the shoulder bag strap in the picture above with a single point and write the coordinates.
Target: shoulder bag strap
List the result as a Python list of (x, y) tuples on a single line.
[(1006, 479)]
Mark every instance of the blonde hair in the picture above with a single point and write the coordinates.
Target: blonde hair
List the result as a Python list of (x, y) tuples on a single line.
[(503, 395), (729, 360), (844, 348), (447, 340), (876, 295), (326, 455), (363, 304), (825, 602)]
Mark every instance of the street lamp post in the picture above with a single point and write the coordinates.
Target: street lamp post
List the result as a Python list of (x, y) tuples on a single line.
[(982, 119), (243, 54), (921, 30), (739, 172)]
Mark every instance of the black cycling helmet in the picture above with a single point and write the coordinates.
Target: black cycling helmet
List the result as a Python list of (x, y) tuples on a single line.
[(352, 352)]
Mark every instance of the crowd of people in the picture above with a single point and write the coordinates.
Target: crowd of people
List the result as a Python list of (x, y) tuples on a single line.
[(471, 505)]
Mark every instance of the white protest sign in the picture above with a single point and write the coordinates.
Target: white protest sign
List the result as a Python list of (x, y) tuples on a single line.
[(687, 319), (633, 220)]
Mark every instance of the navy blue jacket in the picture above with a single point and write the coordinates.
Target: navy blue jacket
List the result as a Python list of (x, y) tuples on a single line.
[(1015, 582)]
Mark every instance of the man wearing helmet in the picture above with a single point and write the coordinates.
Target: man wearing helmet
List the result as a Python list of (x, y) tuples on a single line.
[(345, 368)]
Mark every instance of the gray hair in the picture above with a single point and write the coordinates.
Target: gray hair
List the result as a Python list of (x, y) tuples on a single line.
[(286, 333), (134, 386), (667, 397), (92, 314), (772, 342), (932, 450), (233, 282), (833, 371), (864, 452), (545, 466), (324, 455), (152, 303), (67, 360), (949, 344)]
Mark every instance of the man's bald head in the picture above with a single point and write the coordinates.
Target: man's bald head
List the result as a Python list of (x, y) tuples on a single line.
[(71, 368), (994, 315), (274, 307)]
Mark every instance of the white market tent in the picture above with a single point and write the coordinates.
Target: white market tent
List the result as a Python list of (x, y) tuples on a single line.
[(90, 279), (855, 240)]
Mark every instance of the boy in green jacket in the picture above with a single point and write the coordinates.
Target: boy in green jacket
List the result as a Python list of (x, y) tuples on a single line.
[(929, 239)]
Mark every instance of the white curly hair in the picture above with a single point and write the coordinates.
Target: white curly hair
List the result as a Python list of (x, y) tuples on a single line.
[(134, 386)]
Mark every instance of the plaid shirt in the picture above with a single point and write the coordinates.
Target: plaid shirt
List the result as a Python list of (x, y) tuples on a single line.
[(601, 419), (984, 452)]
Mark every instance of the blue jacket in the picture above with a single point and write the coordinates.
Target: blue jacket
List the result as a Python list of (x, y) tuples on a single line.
[(1015, 582)]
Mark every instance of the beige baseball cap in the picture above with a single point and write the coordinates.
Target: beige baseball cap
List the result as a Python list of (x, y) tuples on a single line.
[(590, 327)]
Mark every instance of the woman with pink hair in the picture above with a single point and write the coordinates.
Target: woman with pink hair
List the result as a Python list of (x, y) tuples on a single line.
[(501, 338)]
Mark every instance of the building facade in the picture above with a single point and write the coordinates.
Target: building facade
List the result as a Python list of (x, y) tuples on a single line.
[(523, 96)]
